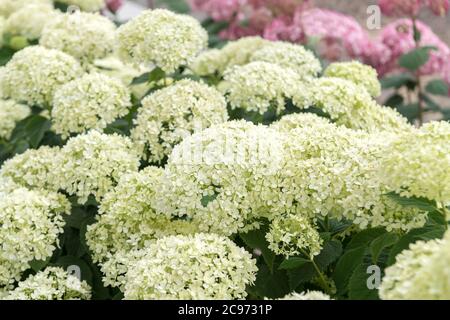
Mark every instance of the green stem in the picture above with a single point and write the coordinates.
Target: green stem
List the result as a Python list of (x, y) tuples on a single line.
[(417, 75), (323, 281)]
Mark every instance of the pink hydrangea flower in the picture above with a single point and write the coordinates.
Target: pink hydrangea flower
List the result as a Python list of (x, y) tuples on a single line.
[(219, 10), (114, 5), (439, 7), (411, 8)]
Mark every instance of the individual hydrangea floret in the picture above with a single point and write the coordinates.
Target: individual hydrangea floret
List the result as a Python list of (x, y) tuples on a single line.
[(34, 73), (53, 283), (162, 38), (85, 36), (173, 113), (11, 112), (356, 72), (203, 266), (90, 102), (92, 163)]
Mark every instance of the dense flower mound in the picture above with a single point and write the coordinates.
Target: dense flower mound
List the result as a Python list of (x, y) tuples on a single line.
[(85, 36), (223, 178), (7, 7), (417, 163), (307, 295), (162, 38), (35, 168), (259, 86), (301, 120), (53, 283), (92, 163), (234, 53), (86, 5), (203, 266), (290, 56), (11, 112), (29, 21), (419, 273), (34, 74), (356, 72), (31, 224), (170, 114), (90, 102), (128, 221), (293, 235)]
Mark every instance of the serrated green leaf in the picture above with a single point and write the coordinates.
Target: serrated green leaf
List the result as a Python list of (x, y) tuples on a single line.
[(364, 238), (300, 275), (256, 239), (380, 243), (345, 266), (270, 284), (414, 202), (330, 252), (358, 288), (38, 265), (293, 263)]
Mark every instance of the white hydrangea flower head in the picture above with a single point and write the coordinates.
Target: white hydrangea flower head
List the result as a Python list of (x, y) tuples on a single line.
[(356, 72), (86, 5), (29, 21), (11, 112), (90, 102), (173, 113), (417, 163), (290, 56), (53, 283), (92, 164), (307, 295), (291, 235), (34, 73), (234, 53), (419, 273), (300, 120), (162, 38), (128, 220), (85, 36), (35, 168), (223, 178), (31, 224), (259, 86), (202, 266), (7, 7)]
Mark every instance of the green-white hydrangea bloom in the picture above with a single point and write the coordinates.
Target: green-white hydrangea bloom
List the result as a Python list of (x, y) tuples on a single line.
[(129, 222), (417, 163), (7, 7), (162, 38), (259, 86), (290, 56), (29, 20), (358, 73), (85, 36), (31, 224), (300, 120), (203, 266), (34, 73), (90, 102), (86, 5), (35, 168), (291, 235), (2, 30), (223, 178), (420, 273), (307, 295), (92, 163), (11, 112), (234, 53), (53, 283), (173, 113)]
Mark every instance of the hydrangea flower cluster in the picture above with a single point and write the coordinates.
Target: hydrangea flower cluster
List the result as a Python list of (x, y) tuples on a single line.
[(170, 114), (411, 8), (8, 7), (85, 36), (86, 5), (34, 74), (31, 224), (307, 295), (203, 266), (162, 38), (11, 112), (90, 102), (53, 283)]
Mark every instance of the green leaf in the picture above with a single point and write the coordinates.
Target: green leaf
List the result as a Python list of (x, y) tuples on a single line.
[(300, 275), (394, 101), (431, 104), (415, 59), (256, 239), (270, 284), (437, 87), (77, 216), (345, 266), (30, 130), (6, 54), (207, 199), (143, 78), (364, 238), (156, 75), (358, 288), (414, 202), (293, 263), (410, 111), (330, 252), (396, 81), (380, 243), (38, 265), (179, 6)]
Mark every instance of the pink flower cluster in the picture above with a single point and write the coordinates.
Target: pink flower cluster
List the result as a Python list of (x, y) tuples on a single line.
[(114, 5), (411, 8)]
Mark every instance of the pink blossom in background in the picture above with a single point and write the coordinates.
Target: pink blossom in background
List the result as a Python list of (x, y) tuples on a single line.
[(219, 10), (439, 7), (114, 5), (283, 29), (411, 8), (398, 38)]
